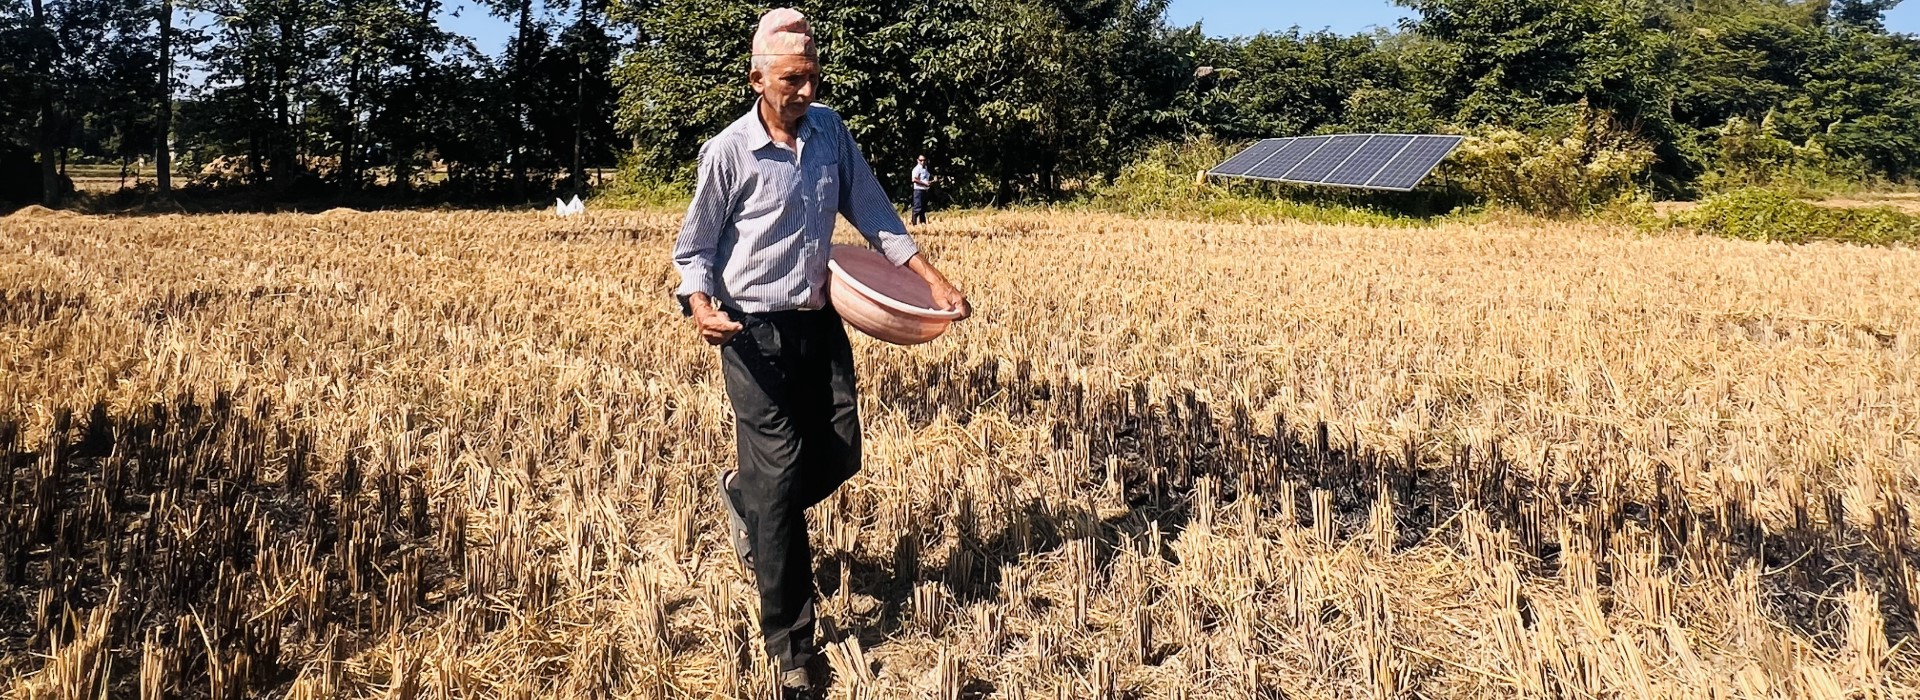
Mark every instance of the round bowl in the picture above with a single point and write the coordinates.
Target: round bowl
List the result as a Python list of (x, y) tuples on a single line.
[(882, 300)]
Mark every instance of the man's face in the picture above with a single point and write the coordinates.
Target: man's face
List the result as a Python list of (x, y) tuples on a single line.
[(787, 84)]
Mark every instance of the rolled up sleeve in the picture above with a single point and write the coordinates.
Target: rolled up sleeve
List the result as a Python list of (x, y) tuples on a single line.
[(865, 204), (693, 251)]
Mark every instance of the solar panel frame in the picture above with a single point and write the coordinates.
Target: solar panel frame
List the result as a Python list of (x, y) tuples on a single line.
[(1276, 166), (1247, 159), (1414, 163)]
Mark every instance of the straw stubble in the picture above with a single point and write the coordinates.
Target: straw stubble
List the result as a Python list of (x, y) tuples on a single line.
[(461, 455)]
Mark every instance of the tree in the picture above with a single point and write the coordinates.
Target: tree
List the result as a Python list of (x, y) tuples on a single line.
[(1862, 14), (1861, 100), (1011, 99), (263, 75), (1014, 97), (110, 76), (79, 72), (1815, 74), (1292, 84), (1541, 64), (1512, 61), (44, 49), (163, 104), (20, 176), (584, 63), (685, 77)]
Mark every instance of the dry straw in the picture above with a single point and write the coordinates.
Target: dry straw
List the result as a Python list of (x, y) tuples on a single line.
[(463, 455)]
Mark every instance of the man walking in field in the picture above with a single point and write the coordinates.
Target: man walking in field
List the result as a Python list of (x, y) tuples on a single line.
[(752, 256), (922, 187)]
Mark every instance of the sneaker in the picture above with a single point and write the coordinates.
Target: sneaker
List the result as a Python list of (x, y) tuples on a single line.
[(736, 525)]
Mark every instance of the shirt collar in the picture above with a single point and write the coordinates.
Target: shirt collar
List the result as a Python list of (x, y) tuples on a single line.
[(757, 136)]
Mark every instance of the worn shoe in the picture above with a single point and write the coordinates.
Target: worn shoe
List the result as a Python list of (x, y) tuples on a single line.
[(736, 525), (798, 684)]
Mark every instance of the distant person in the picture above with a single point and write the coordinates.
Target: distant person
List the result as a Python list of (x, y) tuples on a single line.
[(752, 256), (922, 184)]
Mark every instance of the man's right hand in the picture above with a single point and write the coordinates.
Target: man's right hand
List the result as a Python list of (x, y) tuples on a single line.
[(715, 326)]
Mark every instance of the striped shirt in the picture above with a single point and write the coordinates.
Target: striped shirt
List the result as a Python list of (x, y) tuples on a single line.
[(759, 231)]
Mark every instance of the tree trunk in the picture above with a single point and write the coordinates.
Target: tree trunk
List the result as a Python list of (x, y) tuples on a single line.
[(517, 150), (279, 142), (580, 102), (46, 136), (349, 172), (579, 98), (163, 109), (403, 145)]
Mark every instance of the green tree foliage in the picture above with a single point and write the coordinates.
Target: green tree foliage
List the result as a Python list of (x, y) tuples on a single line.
[(1296, 83), (1865, 14), (1517, 61), (312, 98), (75, 70), (384, 94), (1820, 77), (1535, 65), (1862, 100), (685, 78), (557, 89), (1010, 99)]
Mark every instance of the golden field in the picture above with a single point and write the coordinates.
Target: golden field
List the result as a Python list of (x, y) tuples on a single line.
[(469, 455)]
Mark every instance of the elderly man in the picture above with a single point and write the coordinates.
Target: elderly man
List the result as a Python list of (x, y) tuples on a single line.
[(752, 257)]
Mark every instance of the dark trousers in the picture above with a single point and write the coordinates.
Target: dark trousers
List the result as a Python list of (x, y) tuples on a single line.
[(797, 430), (919, 207)]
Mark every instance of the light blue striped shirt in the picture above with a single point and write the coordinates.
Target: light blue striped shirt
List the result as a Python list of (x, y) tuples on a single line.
[(760, 229)]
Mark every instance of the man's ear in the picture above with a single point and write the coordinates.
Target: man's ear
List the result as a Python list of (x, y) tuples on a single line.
[(757, 80)]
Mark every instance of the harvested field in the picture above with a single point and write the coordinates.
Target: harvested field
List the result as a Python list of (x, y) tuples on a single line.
[(1907, 202), (467, 455), (1904, 202)]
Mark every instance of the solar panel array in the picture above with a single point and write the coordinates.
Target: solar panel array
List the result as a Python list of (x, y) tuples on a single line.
[(1370, 161)]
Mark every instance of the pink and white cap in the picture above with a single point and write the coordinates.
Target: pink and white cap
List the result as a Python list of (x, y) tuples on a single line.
[(784, 32)]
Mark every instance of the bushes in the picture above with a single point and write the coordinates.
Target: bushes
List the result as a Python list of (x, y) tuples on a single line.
[(1752, 154), (1773, 215), (1584, 167), (635, 186), (1587, 166), (1590, 165), (1166, 176), (1166, 181)]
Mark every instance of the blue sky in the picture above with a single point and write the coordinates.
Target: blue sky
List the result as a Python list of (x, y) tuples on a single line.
[(1220, 17), (1217, 17), (1229, 17)]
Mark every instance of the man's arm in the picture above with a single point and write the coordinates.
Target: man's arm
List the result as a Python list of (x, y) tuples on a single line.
[(694, 250), (865, 205)]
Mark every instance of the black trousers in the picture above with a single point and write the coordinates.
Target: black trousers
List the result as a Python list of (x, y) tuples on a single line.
[(797, 430), (919, 207)]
